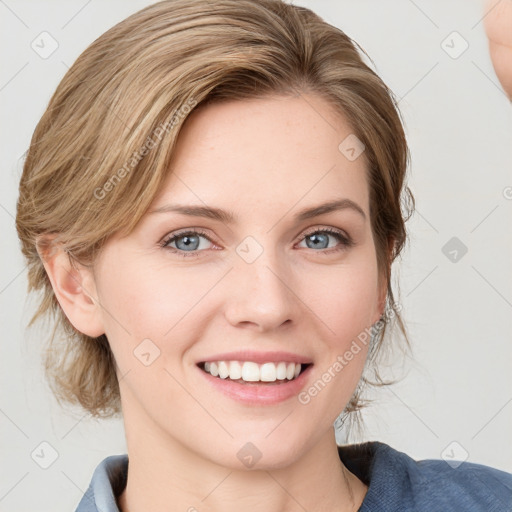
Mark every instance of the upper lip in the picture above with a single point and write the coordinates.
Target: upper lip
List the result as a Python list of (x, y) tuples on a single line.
[(258, 357)]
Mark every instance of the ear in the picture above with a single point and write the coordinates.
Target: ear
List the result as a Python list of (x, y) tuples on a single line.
[(74, 288)]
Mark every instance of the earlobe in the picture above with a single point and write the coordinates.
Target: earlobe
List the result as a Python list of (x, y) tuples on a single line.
[(75, 290)]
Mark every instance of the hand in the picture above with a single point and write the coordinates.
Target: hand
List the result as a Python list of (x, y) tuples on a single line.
[(498, 26)]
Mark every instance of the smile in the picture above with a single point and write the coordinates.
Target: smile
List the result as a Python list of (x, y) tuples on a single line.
[(247, 383), (249, 371)]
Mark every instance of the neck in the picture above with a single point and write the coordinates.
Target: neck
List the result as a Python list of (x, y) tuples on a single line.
[(177, 478)]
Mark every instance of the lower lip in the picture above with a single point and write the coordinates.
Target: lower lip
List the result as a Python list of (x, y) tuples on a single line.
[(256, 393)]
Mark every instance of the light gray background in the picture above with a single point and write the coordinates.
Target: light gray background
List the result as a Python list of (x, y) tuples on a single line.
[(459, 124)]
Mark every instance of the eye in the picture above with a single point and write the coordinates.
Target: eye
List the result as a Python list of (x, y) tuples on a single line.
[(319, 239), (186, 242)]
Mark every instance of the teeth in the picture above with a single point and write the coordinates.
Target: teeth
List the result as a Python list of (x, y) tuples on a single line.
[(253, 372)]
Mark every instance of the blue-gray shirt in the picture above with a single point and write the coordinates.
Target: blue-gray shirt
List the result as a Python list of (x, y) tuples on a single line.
[(396, 483)]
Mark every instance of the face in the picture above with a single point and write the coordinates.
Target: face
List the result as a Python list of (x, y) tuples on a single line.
[(182, 289)]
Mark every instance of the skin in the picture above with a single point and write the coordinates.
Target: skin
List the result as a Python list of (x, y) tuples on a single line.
[(498, 27), (264, 160)]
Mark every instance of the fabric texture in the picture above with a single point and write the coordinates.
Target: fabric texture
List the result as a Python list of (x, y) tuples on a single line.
[(396, 483)]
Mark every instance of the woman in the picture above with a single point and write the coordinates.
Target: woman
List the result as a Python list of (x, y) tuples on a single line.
[(211, 205)]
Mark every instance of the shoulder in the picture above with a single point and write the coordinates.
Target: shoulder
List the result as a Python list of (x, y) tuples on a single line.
[(397, 482)]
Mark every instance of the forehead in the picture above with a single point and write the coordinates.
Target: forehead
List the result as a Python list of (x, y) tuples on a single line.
[(252, 155)]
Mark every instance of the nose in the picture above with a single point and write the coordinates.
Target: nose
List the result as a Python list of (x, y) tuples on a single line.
[(262, 294)]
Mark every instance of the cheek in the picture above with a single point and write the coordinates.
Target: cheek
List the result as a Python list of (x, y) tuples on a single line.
[(141, 300), (344, 297), (163, 302)]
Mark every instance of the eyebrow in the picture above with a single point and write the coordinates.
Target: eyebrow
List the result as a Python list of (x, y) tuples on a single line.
[(228, 217)]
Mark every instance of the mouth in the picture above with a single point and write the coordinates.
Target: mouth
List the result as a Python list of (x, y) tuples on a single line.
[(254, 385), (252, 374)]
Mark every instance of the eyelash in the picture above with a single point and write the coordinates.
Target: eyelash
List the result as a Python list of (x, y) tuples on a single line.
[(345, 240)]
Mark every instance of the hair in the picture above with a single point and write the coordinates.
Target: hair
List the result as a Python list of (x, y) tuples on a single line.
[(103, 148)]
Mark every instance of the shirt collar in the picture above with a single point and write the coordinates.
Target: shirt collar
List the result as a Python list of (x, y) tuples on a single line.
[(369, 461), (107, 484)]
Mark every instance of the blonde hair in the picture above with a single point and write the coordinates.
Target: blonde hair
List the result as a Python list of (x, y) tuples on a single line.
[(102, 149)]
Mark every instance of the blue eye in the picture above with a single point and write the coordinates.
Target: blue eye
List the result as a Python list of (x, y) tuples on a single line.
[(188, 243), (320, 237)]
